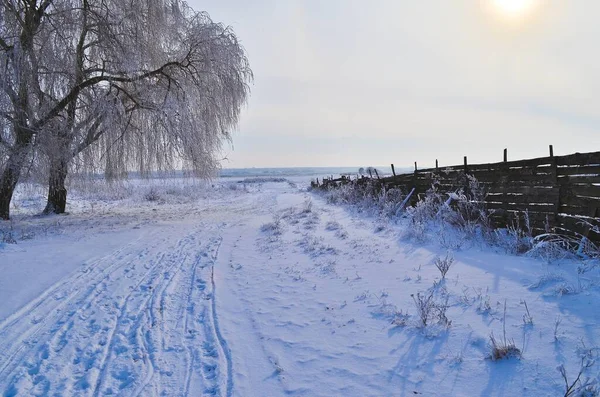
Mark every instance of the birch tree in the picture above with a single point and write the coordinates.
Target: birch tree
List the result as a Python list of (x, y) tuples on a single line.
[(125, 83)]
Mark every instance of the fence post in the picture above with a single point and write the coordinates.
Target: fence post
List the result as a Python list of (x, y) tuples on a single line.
[(503, 181), (436, 166), (561, 191), (466, 168), (415, 178), (393, 170)]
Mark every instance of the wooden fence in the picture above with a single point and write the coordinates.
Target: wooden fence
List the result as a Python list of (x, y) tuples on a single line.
[(560, 194)]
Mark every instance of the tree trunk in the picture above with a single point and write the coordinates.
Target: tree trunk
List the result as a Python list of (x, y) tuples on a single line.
[(10, 177), (57, 193)]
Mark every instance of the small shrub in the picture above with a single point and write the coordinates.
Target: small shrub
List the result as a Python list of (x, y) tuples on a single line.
[(579, 387), (505, 348), (341, 234), (451, 239), (547, 279), (332, 226), (329, 267), (469, 212), (26, 235), (484, 306), (416, 231), (311, 220), (427, 209), (444, 265), (390, 313), (367, 198), (517, 238), (553, 247), (527, 319), (308, 206), (557, 322), (400, 319), (314, 246), (275, 228), (424, 304), (565, 289), (465, 299), (8, 235), (429, 310), (152, 195)]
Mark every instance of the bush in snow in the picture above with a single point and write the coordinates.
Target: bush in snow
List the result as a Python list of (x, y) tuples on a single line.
[(580, 387), (468, 212), (504, 348), (152, 194), (332, 226), (428, 208), (553, 247), (8, 235), (458, 216), (527, 319), (430, 309), (367, 198), (307, 207), (390, 313), (444, 265), (275, 228), (484, 306), (315, 247)]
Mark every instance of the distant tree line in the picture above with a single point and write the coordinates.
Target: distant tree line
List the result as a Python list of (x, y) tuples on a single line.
[(111, 85)]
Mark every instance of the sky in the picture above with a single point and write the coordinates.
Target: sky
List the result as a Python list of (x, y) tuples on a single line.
[(356, 83)]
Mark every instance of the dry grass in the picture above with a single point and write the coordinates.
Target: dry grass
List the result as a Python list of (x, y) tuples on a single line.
[(505, 348)]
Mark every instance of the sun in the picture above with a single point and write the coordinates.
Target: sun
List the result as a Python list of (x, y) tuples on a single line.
[(515, 8)]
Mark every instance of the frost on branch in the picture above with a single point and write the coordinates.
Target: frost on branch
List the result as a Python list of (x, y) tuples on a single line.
[(120, 86)]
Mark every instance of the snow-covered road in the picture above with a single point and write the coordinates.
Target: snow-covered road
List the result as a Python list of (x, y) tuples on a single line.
[(140, 318), (270, 291)]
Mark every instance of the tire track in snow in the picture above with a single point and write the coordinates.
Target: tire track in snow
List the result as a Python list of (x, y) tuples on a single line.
[(146, 309), (105, 362), (215, 320), (156, 309), (188, 336), (14, 349), (61, 326), (121, 326), (64, 325), (205, 355), (186, 330), (68, 281)]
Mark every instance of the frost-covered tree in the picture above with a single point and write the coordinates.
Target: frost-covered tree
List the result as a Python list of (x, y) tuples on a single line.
[(114, 84), (22, 96)]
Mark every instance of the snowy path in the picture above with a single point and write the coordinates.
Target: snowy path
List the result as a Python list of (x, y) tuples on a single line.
[(139, 319), (268, 292)]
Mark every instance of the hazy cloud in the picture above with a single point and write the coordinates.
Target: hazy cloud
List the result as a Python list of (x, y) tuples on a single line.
[(345, 82)]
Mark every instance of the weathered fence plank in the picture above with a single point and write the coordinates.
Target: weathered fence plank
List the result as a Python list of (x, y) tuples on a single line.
[(558, 192)]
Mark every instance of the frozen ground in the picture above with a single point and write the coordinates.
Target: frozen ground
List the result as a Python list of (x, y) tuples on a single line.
[(264, 289)]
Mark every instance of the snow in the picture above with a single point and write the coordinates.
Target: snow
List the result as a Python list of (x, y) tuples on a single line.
[(265, 289)]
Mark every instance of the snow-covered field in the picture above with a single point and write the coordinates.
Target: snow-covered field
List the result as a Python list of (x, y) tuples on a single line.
[(264, 289)]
